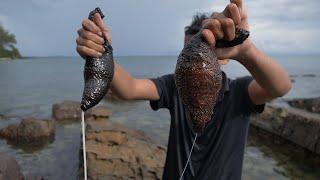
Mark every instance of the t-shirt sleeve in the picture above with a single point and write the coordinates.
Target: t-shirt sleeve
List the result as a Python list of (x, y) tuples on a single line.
[(241, 94), (164, 87)]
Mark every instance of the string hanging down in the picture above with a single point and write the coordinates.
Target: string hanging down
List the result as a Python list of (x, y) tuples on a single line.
[(185, 167), (84, 145)]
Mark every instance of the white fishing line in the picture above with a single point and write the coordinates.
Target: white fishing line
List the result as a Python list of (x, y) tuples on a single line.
[(84, 145), (185, 167)]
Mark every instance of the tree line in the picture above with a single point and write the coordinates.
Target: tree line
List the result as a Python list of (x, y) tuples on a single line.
[(7, 45)]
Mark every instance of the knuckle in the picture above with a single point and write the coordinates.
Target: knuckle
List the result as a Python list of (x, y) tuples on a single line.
[(84, 23), (215, 23), (228, 22), (101, 48), (80, 49), (78, 40), (86, 34), (232, 7), (215, 15), (89, 36)]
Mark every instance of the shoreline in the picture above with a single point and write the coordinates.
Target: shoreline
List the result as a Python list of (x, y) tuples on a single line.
[(265, 151)]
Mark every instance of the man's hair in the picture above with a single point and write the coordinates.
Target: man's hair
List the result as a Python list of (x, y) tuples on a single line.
[(196, 24)]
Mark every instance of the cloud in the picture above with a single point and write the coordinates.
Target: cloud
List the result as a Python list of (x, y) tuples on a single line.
[(144, 27), (285, 26)]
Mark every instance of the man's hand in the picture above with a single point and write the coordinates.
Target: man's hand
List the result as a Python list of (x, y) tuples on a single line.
[(222, 26), (90, 43), (270, 79), (91, 37)]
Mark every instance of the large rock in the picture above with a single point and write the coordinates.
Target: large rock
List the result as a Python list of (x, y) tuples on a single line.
[(29, 132), (70, 110), (9, 168), (310, 104), (111, 96), (296, 125), (116, 152)]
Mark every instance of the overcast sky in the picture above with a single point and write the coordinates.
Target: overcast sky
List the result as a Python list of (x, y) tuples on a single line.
[(155, 27)]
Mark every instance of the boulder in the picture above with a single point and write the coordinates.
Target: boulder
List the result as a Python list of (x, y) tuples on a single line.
[(116, 152), (9, 168), (111, 96), (66, 110), (70, 110), (296, 125), (29, 132), (309, 104)]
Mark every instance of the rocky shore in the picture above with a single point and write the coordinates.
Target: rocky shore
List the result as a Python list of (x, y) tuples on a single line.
[(117, 152), (114, 151), (298, 123), (309, 104)]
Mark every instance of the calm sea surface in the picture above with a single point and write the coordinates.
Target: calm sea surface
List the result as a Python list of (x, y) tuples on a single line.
[(29, 87)]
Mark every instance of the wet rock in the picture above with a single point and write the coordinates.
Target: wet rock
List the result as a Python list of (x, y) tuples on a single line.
[(9, 168), (100, 112), (296, 125), (29, 132), (310, 104), (111, 96), (66, 110), (308, 75), (116, 152), (70, 110)]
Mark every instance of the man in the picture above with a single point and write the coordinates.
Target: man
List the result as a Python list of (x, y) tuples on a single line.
[(219, 150)]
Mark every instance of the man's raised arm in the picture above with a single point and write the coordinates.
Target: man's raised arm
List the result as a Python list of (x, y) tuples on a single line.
[(270, 79), (89, 43)]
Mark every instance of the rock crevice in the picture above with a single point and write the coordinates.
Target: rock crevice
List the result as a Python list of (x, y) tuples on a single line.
[(296, 125)]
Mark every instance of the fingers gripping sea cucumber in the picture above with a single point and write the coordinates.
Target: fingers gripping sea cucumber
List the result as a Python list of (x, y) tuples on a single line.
[(198, 77), (241, 36), (98, 73)]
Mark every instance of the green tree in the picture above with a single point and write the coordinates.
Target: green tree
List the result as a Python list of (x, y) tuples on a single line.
[(7, 45)]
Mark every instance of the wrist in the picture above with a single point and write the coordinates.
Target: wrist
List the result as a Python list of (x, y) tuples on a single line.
[(247, 52)]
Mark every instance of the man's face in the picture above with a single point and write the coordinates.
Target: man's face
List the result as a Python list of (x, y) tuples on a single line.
[(187, 40)]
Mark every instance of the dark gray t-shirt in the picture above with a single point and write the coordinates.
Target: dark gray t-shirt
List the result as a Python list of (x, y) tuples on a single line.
[(219, 149)]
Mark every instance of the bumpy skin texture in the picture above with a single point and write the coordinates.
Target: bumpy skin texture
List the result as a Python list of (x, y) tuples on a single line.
[(98, 74), (198, 77)]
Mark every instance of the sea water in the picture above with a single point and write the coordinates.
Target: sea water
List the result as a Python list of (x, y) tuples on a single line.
[(29, 87)]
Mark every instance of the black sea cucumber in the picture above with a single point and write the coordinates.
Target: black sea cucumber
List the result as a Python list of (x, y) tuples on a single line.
[(98, 73), (198, 77)]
